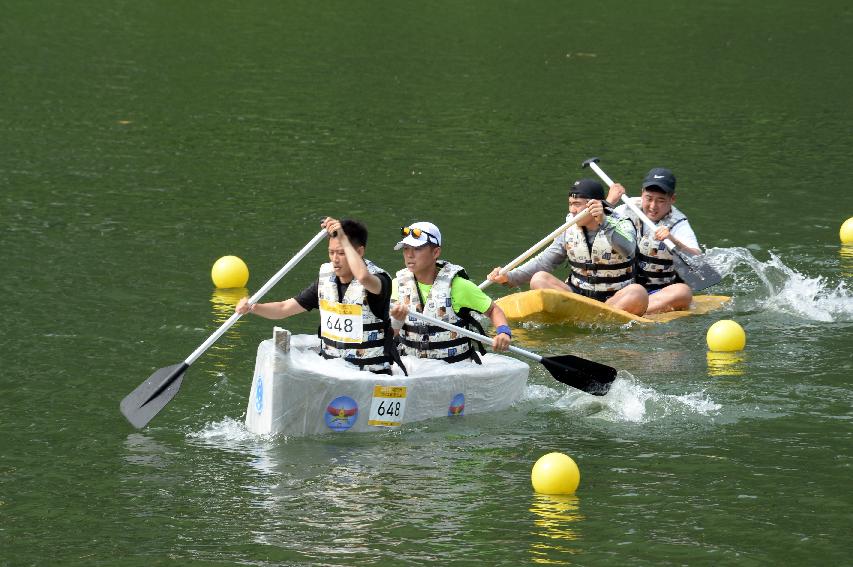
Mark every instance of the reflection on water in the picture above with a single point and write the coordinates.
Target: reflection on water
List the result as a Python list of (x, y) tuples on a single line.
[(846, 255), (222, 304), (726, 363), (144, 451), (555, 526), (223, 301), (527, 338)]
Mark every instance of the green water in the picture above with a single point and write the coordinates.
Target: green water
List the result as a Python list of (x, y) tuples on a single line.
[(140, 141)]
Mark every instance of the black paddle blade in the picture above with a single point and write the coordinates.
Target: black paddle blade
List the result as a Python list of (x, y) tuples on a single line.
[(141, 405), (587, 375), (694, 271)]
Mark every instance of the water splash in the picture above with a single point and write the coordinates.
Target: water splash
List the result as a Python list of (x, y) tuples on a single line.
[(788, 291), (539, 392), (628, 401), (226, 433)]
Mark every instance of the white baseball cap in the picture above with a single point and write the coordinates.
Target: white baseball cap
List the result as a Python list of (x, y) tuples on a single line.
[(427, 233)]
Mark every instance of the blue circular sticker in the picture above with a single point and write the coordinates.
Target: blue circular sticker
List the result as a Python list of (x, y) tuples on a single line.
[(341, 413), (259, 394), (457, 405)]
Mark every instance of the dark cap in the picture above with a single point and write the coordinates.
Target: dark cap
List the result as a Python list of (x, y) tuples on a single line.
[(587, 189), (661, 178)]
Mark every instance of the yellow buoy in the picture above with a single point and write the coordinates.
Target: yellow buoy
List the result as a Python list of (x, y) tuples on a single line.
[(846, 231), (726, 336), (555, 473), (229, 272)]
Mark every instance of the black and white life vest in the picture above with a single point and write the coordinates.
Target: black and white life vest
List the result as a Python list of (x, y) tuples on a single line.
[(348, 328), (654, 260), (597, 271), (420, 339)]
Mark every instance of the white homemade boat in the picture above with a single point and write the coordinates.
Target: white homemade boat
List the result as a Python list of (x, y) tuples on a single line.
[(297, 392)]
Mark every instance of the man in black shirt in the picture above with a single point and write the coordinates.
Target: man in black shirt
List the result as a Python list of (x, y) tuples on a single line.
[(309, 299), (352, 295)]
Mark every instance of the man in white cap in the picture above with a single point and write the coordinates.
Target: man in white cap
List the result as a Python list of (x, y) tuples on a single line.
[(654, 261), (441, 290)]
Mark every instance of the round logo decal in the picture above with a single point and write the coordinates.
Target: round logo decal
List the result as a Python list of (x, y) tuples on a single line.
[(341, 413), (457, 405), (259, 394)]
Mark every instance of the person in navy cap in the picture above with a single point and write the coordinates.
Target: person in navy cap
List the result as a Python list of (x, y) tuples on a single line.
[(655, 270), (600, 252)]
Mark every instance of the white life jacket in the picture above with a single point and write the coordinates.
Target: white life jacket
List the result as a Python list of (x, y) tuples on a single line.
[(420, 339), (598, 271), (654, 260), (348, 328)]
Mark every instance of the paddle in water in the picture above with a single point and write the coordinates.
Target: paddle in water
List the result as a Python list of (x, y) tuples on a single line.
[(587, 375), (142, 404), (693, 270)]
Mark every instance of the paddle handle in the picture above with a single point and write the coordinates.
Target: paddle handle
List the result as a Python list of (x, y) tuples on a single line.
[(634, 208), (254, 299), (471, 334), (530, 251)]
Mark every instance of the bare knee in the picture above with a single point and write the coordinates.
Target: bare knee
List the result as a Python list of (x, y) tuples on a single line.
[(639, 298), (544, 280), (632, 299), (674, 297), (538, 280), (681, 296)]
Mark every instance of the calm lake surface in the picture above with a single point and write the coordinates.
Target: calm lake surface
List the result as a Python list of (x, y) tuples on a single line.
[(140, 141)]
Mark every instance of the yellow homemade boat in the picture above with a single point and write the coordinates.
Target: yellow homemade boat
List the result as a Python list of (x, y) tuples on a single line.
[(552, 306)]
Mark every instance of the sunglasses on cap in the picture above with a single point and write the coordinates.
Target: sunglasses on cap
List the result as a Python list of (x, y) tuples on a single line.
[(417, 232)]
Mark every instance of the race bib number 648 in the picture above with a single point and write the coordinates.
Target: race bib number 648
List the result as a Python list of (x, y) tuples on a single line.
[(340, 322)]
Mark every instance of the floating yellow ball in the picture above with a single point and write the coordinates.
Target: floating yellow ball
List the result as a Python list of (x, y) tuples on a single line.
[(555, 473), (846, 231), (229, 271), (726, 336)]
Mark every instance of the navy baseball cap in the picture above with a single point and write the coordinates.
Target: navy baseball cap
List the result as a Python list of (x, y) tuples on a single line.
[(661, 178), (587, 189)]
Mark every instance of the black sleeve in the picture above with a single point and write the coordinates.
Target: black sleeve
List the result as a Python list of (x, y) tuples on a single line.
[(379, 302), (309, 298)]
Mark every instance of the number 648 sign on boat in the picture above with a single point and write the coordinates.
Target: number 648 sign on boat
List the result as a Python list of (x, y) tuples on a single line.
[(388, 406)]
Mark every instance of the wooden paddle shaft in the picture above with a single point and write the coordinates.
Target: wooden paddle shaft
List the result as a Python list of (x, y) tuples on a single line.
[(530, 251), (254, 299), (471, 334), (636, 210)]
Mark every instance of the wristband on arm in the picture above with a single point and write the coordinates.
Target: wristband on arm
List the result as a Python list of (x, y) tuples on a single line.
[(504, 329)]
